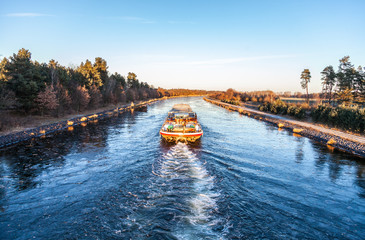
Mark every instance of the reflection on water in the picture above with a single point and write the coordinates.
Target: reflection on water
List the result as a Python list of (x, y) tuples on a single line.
[(299, 154), (27, 160), (117, 179)]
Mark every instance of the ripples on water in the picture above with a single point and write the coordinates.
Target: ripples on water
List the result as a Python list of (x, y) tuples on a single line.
[(117, 180)]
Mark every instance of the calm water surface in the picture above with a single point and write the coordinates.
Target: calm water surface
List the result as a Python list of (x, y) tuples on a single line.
[(117, 180)]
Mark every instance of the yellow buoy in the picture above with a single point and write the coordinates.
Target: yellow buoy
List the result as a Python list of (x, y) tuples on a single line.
[(280, 125), (331, 148), (297, 135), (331, 142), (297, 130), (42, 131), (83, 119), (70, 123)]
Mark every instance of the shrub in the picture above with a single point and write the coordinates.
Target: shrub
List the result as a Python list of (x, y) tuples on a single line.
[(347, 118), (280, 107), (233, 102)]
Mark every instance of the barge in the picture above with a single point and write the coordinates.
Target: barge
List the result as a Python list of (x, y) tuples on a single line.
[(181, 125)]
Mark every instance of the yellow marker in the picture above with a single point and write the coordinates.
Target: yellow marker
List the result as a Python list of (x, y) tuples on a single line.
[(70, 123), (84, 124), (83, 119), (280, 125), (331, 148), (331, 142), (297, 130), (42, 131), (296, 135)]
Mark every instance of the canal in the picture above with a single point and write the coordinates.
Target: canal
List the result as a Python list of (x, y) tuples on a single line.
[(116, 179)]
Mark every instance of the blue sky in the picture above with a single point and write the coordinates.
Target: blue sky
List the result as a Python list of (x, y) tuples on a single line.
[(215, 45)]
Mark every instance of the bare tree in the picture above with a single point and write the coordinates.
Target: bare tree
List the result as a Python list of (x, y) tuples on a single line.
[(47, 99), (80, 98)]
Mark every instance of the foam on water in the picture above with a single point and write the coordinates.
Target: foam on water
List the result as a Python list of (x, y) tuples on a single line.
[(181, 163)]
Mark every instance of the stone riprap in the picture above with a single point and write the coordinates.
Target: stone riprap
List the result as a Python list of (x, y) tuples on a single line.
[(17, 137)]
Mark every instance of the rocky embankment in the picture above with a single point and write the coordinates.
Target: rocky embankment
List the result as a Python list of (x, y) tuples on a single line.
[(14, 138), (332, 138)]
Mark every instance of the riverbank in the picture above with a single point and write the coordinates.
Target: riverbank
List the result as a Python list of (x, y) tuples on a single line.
[(17, 135), (332, 138), (24, 134)]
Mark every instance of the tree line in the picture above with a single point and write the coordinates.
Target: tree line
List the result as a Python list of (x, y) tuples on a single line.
[(234, 97), (347, 85), (29, 86), (182, 92)]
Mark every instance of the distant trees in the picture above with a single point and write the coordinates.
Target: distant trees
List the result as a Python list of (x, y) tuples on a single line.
[(234, 97), (258, 96), (181, 92), (305, 76)]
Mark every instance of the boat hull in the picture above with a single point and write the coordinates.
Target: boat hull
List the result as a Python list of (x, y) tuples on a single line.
[(180, 136)]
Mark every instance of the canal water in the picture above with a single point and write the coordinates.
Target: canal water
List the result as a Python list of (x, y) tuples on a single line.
[(116, 179)]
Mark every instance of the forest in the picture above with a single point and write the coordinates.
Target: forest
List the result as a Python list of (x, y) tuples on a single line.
[(32, 87)]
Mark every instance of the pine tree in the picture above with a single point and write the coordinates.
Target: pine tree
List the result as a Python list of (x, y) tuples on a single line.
[(328, 82), (101, 67), (90, 73), (306, 77), (25, 78), (132, 80)]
